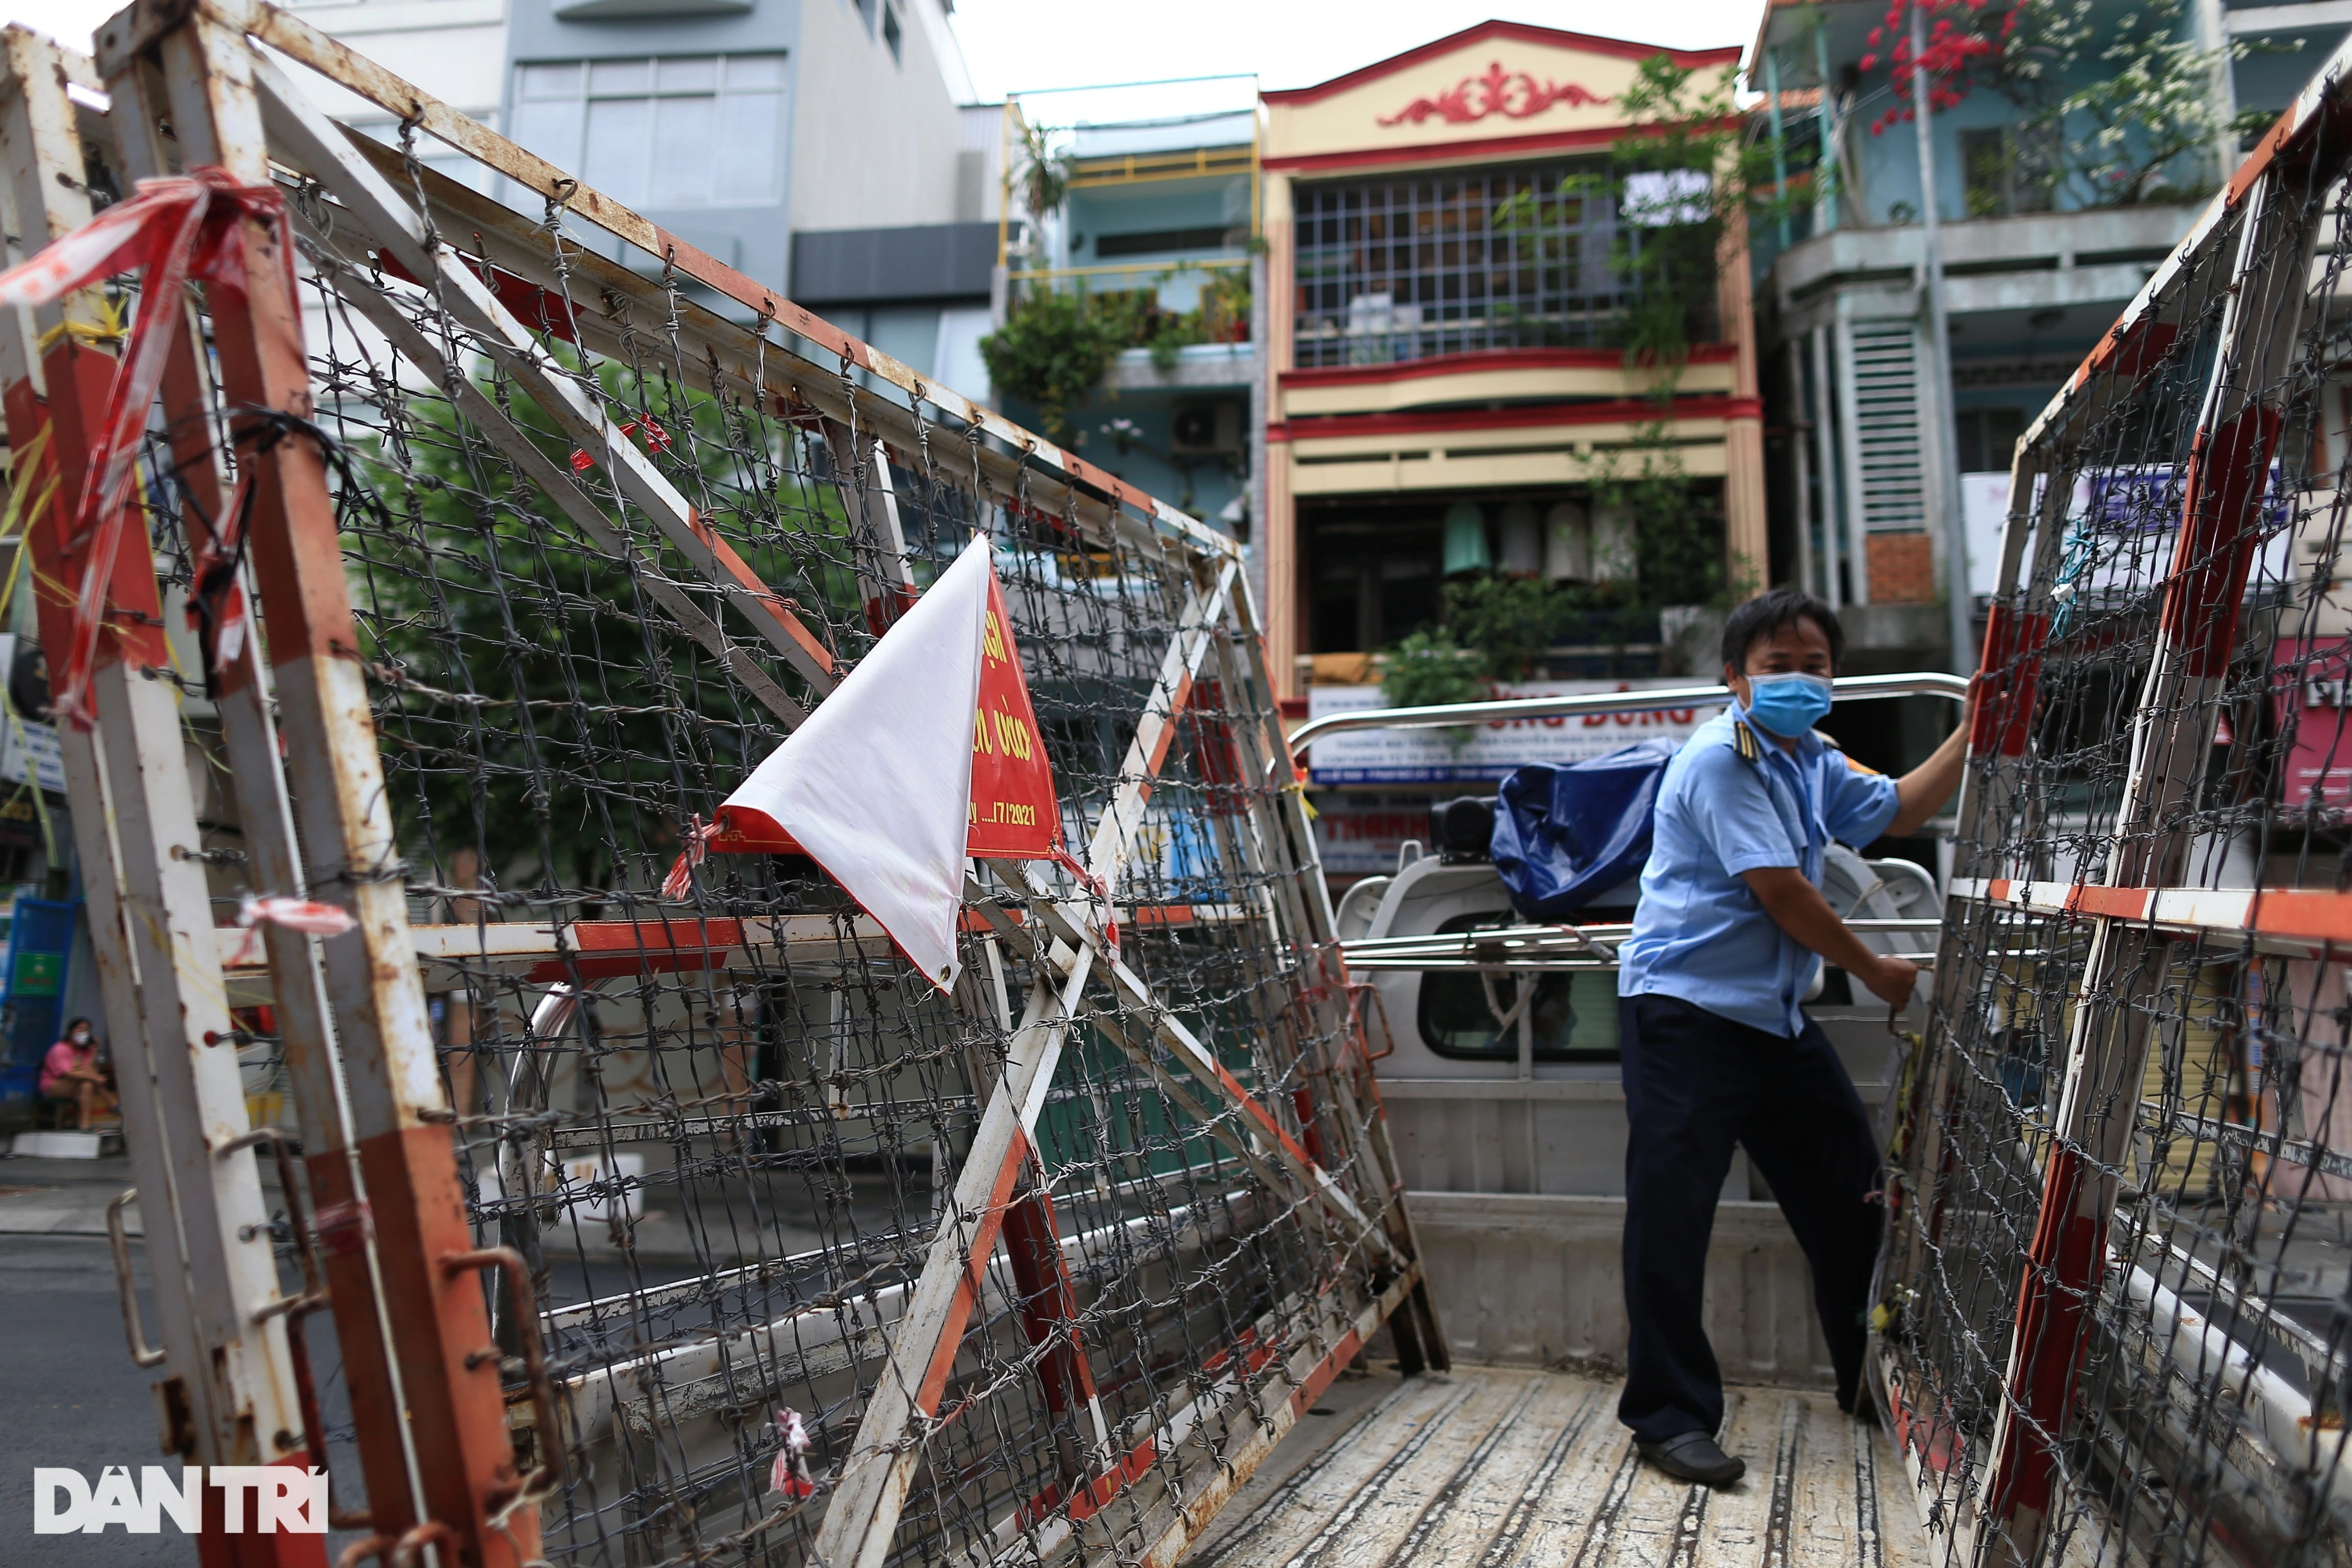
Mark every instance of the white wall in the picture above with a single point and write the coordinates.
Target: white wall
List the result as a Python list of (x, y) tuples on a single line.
[(874, 141), (453, 49)]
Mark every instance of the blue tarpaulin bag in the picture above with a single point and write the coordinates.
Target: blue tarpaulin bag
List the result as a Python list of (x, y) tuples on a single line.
[(1565, 834)]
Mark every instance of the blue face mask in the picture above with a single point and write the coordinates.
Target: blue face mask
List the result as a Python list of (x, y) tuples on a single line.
[(1787, 705)]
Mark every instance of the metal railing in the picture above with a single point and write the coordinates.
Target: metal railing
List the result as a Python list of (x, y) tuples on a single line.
[(1542, 949), (1451, 715)]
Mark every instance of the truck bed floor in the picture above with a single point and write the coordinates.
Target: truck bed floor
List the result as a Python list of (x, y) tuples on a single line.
[(1506, 1468)]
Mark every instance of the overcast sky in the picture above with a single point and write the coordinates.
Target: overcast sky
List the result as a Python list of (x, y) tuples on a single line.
[(1015, 45)]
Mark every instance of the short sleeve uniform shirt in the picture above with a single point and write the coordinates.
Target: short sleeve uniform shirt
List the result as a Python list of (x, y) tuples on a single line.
[(1734, 801)]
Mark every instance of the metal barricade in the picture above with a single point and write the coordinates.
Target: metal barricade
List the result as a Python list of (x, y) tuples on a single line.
[(658, 1227), (2112, 1315)]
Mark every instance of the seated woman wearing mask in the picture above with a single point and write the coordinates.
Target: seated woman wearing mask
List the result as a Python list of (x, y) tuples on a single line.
[(70, 1072)]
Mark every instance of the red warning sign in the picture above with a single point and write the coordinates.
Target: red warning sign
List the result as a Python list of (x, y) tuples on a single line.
[(1014, 815)]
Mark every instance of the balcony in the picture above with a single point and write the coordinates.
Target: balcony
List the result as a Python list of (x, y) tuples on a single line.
[(1195, 367), (1189, 319), (2033, 261)]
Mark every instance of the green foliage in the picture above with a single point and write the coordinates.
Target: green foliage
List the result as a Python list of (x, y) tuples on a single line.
[(1430, 669), (1678, 542), (510, 649), (1685, 125), (1508, 619), (1056, 344), (1668, 243), (2145, 127), (1054, 348), (1497, 626), (1044, 178), (1222, 316), (2117, 110)]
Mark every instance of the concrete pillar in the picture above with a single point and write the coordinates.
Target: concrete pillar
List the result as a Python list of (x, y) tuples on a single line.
[(1745, 539), (1277, 537)]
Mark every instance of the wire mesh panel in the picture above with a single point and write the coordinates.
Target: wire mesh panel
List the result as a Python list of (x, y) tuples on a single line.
[(2114, 1314), (799, 1257)]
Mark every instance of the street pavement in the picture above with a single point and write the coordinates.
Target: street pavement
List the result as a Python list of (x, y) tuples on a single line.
[(60, 1197), (68, 1392)]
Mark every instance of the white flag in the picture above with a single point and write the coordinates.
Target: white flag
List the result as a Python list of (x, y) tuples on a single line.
[(876, 785)]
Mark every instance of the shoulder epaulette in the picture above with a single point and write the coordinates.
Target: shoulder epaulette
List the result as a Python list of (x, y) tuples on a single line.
[(1744, 743), (1830, 742)]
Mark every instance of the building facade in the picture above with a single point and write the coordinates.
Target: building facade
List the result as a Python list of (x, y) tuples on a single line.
[(2037, 263), (1157, 230), (819, 145), (1434, 401)]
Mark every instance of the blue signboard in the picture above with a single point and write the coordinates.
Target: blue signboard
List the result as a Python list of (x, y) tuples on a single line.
[(40, 947)]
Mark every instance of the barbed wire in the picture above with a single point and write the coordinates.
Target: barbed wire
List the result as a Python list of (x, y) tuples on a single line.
[(726, 1158), (2115, 1306)]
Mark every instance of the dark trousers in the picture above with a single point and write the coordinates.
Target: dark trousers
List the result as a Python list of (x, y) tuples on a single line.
[(1696, 1083)]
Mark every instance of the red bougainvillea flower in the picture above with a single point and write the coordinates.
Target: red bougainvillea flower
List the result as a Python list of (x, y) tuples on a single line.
[(1953, 52)]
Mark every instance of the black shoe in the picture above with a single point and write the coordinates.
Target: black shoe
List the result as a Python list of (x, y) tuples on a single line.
[(1693, 1457)]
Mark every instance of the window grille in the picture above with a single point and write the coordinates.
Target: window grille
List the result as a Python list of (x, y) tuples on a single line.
[(1889, 450), (1461, 263)]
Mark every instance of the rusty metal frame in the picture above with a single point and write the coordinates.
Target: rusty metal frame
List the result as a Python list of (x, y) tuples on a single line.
[(200, 77), (564, 487), (300, 41), (1070, 937), (747, 360), (251, 742), (2236, 433), (2254, 242), (872, 1487), (320, 145), (235, 1394), (40, 140)]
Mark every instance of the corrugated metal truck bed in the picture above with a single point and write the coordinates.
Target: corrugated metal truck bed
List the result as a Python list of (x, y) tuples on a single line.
[(1502, 1467)]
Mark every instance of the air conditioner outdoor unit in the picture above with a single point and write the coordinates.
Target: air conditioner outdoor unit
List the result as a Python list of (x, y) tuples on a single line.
[(1204, 429)]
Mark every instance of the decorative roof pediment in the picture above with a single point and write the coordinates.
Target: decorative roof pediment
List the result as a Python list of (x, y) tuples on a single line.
[(1500, 82)]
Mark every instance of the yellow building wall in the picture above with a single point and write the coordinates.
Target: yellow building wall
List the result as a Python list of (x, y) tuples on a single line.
[(1498, 90)]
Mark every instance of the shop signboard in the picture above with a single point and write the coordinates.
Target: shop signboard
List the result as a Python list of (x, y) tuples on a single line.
[(28, 748), (1360, 835), (2309, 682), (1486, 752), (2121, 528)]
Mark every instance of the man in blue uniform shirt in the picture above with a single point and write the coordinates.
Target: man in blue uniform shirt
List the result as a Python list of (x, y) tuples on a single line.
[(1731, 931)]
